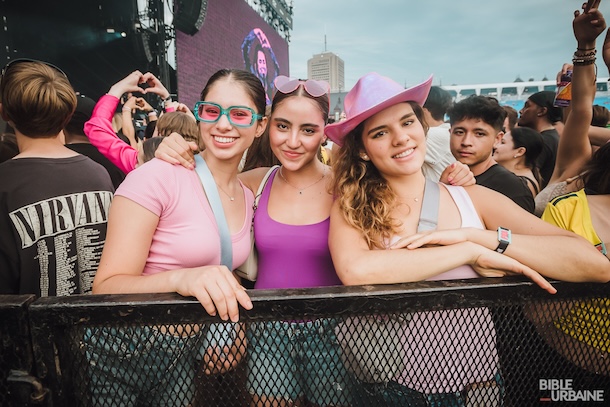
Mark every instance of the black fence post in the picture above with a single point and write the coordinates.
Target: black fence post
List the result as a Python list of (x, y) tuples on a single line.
[(18, 384)]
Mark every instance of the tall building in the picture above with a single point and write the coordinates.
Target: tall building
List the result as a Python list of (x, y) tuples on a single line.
[(327, 67)]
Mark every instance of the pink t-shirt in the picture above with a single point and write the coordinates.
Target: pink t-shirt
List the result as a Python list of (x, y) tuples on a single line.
[(449, 349), (187, 234)]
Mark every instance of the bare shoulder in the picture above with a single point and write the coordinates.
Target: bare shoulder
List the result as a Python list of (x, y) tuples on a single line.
[(482, 196), (497, 210), (252, 179)]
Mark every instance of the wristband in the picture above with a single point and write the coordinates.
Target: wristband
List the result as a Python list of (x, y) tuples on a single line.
[(170, 109), (504, 239), (126, 109), (164, 102), (152, 113)]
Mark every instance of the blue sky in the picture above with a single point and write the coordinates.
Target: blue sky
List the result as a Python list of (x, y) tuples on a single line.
[(459, 41)]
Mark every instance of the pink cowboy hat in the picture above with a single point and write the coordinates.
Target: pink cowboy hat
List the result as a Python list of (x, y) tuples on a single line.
[(371, 95)]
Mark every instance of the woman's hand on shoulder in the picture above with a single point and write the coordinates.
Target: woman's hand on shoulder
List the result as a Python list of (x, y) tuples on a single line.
[(174, 149), (458, 174), (216, 289)]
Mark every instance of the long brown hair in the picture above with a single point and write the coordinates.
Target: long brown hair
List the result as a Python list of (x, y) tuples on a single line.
[(260, 154), (366, 199)]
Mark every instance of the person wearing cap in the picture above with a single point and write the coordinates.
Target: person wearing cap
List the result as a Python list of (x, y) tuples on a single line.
[(76, 140), (540, 113), (54, 202), (373, 239)]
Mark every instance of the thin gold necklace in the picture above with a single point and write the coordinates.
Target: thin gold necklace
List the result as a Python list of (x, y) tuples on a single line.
[(308, 186), (232, 198)]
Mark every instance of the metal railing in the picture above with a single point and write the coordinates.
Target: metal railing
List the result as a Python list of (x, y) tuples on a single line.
[(480, 342)]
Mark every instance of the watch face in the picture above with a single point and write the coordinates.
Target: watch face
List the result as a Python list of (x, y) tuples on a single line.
[(504, 235)]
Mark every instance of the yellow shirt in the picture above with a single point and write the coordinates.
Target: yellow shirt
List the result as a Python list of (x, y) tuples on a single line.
[(325, 156), (587, 321), (571, 212)]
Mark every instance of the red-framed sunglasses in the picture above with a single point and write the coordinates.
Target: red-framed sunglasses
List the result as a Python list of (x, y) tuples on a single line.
[(315, 88)]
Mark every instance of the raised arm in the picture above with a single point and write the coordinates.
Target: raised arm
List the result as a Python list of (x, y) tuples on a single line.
[(99, 127), (574, 149), (598, 136), (128, 129)]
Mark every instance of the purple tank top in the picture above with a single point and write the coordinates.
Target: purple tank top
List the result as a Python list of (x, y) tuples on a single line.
[(291, 256)]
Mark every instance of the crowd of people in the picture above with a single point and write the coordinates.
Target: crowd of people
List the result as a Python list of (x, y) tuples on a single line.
[(89, 206)]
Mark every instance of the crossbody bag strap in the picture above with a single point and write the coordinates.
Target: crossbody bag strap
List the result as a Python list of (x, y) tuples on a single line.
[(257, 197), (428, 220), (211, 191)]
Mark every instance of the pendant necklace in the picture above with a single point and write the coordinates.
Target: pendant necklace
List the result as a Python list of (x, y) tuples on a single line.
[(232, 198), (302, 189)]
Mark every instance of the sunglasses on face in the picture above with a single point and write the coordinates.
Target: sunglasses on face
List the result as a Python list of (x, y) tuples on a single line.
[(315, 88), (239, 116), (21, 60)]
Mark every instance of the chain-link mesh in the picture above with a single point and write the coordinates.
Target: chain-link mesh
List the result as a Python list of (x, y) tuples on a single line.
[(15, 345), (483, 347)]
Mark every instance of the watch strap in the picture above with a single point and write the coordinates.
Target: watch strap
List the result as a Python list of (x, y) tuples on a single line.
[(504, 239)]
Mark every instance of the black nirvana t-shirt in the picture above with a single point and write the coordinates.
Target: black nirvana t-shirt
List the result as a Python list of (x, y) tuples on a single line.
[(53, 215)]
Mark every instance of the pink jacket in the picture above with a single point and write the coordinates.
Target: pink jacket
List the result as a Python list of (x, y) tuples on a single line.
[(100, 133)]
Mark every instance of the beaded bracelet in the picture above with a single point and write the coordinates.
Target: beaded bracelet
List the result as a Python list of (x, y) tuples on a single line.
[(585, 55), (578, 61), (586, 58)]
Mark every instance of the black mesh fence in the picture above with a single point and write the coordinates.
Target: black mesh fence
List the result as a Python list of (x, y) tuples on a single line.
[(486, 342), (16, 355)]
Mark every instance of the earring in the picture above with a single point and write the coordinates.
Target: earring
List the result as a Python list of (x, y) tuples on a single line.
[(514, 156), (364, 157)]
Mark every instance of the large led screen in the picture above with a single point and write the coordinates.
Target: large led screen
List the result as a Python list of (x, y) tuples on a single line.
[(233, 35)]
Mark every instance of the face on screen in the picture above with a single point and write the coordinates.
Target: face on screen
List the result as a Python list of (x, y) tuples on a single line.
[(261, 62)]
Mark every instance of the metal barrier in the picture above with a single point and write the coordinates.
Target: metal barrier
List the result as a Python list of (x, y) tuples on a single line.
[(482, 342), (16, 355)]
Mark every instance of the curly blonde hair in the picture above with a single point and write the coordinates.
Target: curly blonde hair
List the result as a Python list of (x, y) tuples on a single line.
[(366, 200)]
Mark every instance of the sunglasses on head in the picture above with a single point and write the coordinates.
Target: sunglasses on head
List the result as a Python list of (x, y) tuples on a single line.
[(315, 88), (239, 116), (14, 62)]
